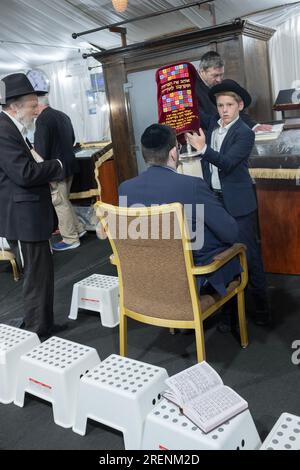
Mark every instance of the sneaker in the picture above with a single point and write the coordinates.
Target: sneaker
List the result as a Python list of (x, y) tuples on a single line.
[(62, 246), (81, 234)]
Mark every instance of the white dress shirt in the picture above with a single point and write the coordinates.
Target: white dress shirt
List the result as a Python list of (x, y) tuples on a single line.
[(23, 132), (18, 124), (217, 138)]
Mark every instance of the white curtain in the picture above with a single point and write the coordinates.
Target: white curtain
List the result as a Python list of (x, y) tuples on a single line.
[(69, 83), (284, 50)]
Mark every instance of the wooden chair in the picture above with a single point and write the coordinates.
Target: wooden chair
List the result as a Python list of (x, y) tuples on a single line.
[(157, 276), (9, 256)]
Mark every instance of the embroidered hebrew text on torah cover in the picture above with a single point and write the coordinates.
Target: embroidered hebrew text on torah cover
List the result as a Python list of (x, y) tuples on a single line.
[(176, 98)]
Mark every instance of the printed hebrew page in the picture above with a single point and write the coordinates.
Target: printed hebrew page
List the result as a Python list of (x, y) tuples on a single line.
[(214, 408), (202, 397), (192, 382)]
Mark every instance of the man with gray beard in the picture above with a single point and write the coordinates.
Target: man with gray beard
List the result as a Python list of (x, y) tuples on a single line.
[(26, 215)]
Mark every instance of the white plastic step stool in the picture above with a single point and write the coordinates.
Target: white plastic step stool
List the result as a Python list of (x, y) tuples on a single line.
[(167, 429), (285, 434), (119, 393), (13, 343), (98, 293), (52, 372)]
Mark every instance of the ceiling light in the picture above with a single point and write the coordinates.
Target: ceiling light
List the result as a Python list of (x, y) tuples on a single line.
[(120, 5)]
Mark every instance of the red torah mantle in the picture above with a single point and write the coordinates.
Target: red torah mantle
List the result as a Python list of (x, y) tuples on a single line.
[(176, 97)]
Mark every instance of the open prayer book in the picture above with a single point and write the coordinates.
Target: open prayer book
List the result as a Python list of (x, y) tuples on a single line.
[(203, 398), (272, 135)]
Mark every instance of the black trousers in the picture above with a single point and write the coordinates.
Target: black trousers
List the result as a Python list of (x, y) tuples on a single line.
[(248, 235), (38, 284)]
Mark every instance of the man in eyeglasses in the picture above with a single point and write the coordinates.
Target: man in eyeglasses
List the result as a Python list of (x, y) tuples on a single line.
[(211, 73)]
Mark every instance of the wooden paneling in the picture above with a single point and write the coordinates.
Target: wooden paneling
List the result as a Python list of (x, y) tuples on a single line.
[(120, 120), (232, 53), (108, 181), (257, 78), (279, 216)]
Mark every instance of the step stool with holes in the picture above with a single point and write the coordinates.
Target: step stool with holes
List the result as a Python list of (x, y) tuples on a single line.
[(285, 434), (98, 293), (119, 393), (13, 343), (167, 429), (52, 371)]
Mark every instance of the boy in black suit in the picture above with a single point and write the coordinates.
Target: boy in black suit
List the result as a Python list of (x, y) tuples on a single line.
[(226, 148)]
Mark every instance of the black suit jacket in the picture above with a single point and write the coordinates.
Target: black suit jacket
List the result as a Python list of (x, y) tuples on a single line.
[(54, 138), (26, 211), (232, 163), (207, 109)]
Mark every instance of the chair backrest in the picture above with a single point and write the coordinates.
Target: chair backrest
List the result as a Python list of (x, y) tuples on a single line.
[(154, 260)]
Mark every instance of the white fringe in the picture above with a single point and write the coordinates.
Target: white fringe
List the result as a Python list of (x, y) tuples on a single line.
[(275, 173)]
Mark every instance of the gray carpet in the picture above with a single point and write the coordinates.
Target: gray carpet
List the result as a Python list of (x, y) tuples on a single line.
[(263, 373)]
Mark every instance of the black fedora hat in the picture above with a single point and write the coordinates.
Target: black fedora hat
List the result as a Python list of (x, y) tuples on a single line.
[(230, 85), (17, 84)]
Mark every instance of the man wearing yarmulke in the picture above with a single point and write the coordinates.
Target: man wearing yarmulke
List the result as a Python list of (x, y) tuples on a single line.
[(226, 148), (161, 184)]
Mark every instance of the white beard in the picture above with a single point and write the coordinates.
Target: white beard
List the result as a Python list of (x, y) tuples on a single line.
[(30, 127), (28, 123)]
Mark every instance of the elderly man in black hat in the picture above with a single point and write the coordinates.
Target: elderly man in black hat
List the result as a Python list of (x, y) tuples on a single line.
[(26, 215), (226, 149)]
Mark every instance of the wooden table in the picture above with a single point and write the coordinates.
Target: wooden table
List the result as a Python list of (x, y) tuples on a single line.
[(275, 168)]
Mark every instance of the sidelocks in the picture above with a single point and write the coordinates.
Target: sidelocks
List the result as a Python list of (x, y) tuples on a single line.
[(177, 101)]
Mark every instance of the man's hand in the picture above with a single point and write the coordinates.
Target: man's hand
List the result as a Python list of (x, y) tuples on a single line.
[(195, 140), (263, 127), (36, 156)]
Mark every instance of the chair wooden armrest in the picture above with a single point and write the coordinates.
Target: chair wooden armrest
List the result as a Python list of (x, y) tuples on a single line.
[(235, 249), (220, 259)]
